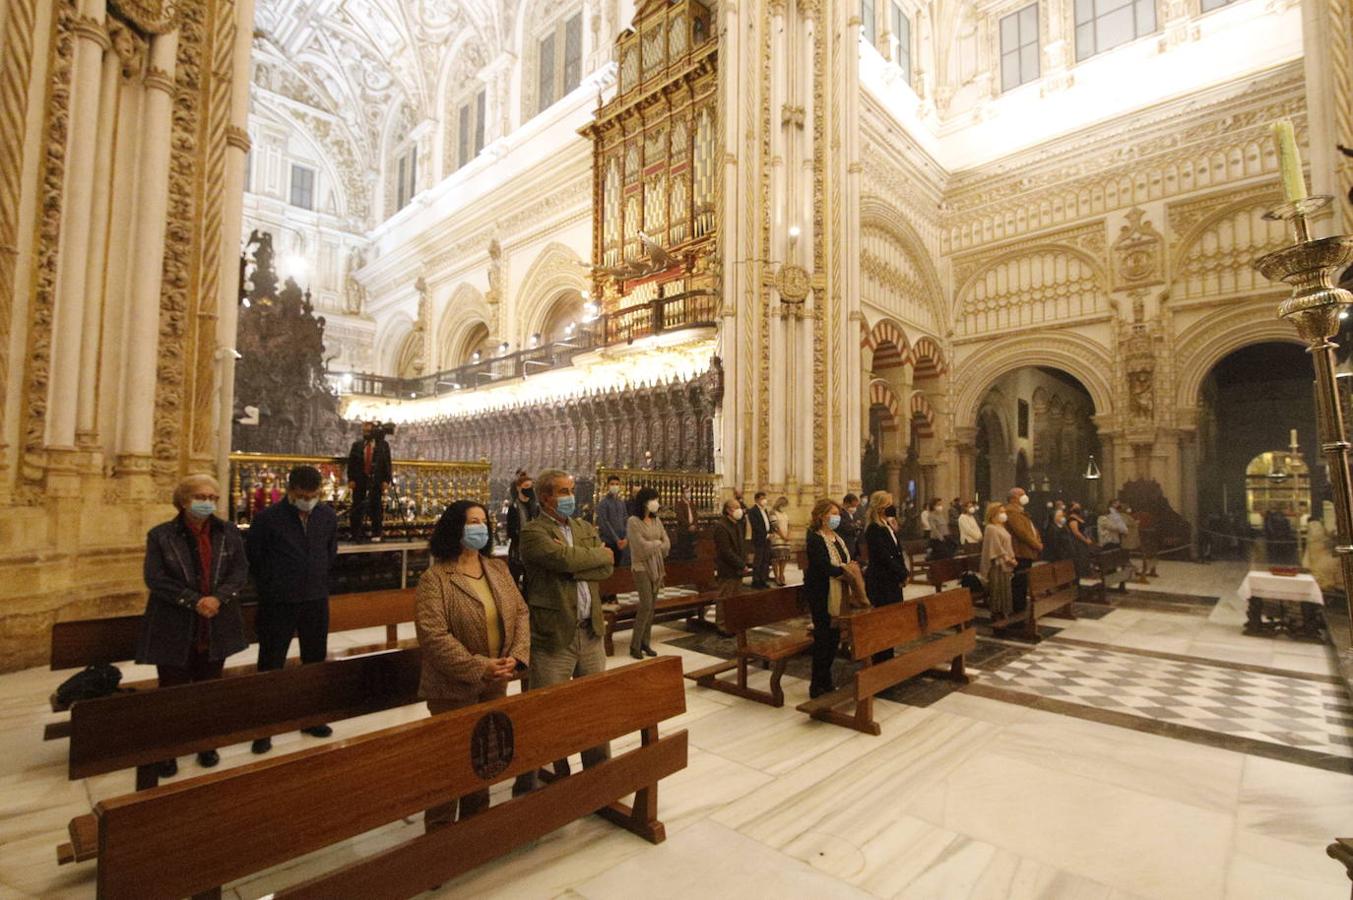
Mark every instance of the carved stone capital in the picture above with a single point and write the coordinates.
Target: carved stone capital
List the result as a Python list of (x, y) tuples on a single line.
[(151, 16), (159, 80), (238, 138), (92, 30)]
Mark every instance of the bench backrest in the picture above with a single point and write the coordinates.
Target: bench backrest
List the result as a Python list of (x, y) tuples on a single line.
[(882, 627), (184, 838), (1064, 571), (743, 612), (697, 573), (126, 730), (916, 551), (1042, 579), (87, 642), (941, 571)]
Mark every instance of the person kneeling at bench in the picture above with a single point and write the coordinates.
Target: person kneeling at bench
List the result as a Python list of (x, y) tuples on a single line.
[(292, 546), (473, 626)]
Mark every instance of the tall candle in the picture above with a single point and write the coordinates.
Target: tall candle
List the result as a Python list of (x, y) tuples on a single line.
[(1289, 160), (1293, 442)]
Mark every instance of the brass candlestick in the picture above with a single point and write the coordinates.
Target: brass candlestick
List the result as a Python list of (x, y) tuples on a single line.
[(1310, 267)]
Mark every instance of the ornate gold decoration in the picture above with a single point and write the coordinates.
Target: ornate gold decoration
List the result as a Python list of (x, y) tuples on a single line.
[(793, 283)]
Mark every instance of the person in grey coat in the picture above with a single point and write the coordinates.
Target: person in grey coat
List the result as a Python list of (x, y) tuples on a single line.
[(195, 568), (612, 519)]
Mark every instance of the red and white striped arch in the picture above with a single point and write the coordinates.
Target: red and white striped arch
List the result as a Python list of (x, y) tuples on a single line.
[(922, 414), (889, 344), (928, 359), (881, 394)]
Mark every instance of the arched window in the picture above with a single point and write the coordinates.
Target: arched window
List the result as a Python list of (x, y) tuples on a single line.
[(477, 341), (557, 50)]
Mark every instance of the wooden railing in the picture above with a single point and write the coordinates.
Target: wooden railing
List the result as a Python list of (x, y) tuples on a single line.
[(704, 487)]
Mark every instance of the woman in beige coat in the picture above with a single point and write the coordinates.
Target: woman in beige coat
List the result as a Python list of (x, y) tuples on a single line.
[(473, 626)]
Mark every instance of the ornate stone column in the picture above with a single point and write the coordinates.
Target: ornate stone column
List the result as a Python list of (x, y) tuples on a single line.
[(72, 292), (227, 305), (965, 450), (1327, 42), (138, 391)]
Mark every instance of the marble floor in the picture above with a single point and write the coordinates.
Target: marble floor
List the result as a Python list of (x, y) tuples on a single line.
[(967, 796)]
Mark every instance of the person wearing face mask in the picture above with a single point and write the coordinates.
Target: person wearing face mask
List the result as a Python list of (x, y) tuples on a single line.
[(522, 508), (780, 551), (887, 572), (648, 545), (998, 562), (687, 526), (195, 568), (760, 517), (936, 524), (1028, 546), (292, 546), (566, 562), (612, 517), (1081, 543), (473, 627), (969, 532), (730, 553), (1057, 540), (830, 577)]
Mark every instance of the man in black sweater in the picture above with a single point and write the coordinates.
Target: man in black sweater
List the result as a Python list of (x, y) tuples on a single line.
[(291, 547)]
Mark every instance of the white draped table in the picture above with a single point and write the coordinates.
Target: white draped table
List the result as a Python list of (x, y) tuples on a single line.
[(1289, 603)]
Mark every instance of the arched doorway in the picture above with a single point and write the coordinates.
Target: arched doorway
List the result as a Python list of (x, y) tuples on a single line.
[(477, 341), (562, 320), (1257, 447), (1035, 430)]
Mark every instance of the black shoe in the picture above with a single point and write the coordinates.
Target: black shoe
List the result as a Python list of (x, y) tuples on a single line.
[(262, 745), (318, 731), (649, 651), (208, 758), (815, 692), (636, 654), (760, 585), (169, 768)]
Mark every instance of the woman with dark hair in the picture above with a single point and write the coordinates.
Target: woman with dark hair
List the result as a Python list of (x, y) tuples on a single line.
[(473, 626), (648, 543), (1082, 543), (830, 575)]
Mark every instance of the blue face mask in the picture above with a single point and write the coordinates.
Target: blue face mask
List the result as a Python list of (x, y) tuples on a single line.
[(834, 521), (203, 508), (566, 506), (476, 536)]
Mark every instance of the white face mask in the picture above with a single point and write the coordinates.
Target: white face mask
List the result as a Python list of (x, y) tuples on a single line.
[(1002, 518), (737, 513), (972, 510), (306, 506), (1023, 499), (652, 506), (613, 489)]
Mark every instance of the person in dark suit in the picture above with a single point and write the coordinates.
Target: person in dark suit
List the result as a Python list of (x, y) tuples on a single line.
[(292, 546), (687, 526), (522, 508), (760, 542), (369, 474), (828, 559), (887, 570), (730, 554), (852, 524)]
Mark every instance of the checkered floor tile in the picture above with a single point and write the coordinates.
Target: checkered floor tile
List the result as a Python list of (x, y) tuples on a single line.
[(666, 593), (1294, 712)]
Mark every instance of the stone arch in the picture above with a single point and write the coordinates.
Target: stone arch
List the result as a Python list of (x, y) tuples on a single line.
[(282, 117), (556, 269), (892, 337), (1022, 282), (921, 414), (928, 359), (1213, 253), (878, 213), (881, 394), (465, 310), (390, 342), (1204, 344), (1084, 359)]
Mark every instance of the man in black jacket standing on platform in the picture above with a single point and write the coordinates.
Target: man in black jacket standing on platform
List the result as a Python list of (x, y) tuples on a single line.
[(760, 542), (369, 474), (291, 547)]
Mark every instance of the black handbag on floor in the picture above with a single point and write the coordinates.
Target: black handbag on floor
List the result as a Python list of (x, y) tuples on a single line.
[(93, 682)]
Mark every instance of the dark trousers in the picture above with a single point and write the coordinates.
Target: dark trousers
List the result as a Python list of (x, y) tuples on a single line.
[(277, 623), (685, 545), (200, 667), (1019, 584), (366, 503), (761, 561), (825, 641)]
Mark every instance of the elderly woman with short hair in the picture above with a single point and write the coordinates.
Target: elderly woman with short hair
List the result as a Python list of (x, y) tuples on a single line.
[(195, 568)]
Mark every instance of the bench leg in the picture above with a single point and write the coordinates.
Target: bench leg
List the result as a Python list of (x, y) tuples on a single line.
[(957, 671), (608, 641), (642, 817), (392, 635), (777, 694), (147, 776)]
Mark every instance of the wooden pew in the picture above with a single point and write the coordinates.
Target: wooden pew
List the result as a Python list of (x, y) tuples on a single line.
[(942, 571), (915, 551), (742, 613), (232, 824), (1053, 587), (1108, 567), (697, 574), (89, 642), (912, 622), (138, 730)]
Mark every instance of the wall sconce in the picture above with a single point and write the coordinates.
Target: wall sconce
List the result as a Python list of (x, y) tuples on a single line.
[(570, 328), (474, 357), (1092, 470), (589, 311), (793, 233), (535, 339), (502, 348)]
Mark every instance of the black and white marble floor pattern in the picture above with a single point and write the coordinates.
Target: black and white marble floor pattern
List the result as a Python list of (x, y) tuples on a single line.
[(966, 797)]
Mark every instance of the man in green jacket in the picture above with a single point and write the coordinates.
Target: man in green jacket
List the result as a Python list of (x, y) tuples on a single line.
[(565, 561)]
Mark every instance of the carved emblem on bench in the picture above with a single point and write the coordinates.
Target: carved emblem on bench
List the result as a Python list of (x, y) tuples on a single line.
[(491, 747)]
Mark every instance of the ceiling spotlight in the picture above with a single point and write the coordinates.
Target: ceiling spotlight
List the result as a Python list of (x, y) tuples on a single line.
[(793, 232), (474, 357), (569, 328), (502, 348), (535, 340), (248, 304)]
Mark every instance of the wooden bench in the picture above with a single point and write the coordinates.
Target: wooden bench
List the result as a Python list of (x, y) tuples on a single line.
[(915, 551), (942, 571), (141, 729), (741, 614), (1053, 587), (697, 574), (1108, 567), (192, 837), (88, 642), (912, 622)]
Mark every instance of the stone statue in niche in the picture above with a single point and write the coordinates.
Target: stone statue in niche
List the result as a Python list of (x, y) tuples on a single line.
[(495, 292), (354, 295), (1140, 364), (422, 325)]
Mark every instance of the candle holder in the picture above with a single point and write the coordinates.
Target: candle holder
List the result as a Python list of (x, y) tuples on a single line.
[(1310, 267)]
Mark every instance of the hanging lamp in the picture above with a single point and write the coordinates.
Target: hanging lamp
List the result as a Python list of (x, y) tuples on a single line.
[(1092, 470)]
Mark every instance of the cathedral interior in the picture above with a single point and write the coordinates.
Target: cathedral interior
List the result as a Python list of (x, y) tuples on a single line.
[(809, 248)]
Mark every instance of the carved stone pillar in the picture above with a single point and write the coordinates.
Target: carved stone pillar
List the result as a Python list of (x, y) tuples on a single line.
[(893, 468), (72, 293), (143, 333), (965, 450), (1327, 44)]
